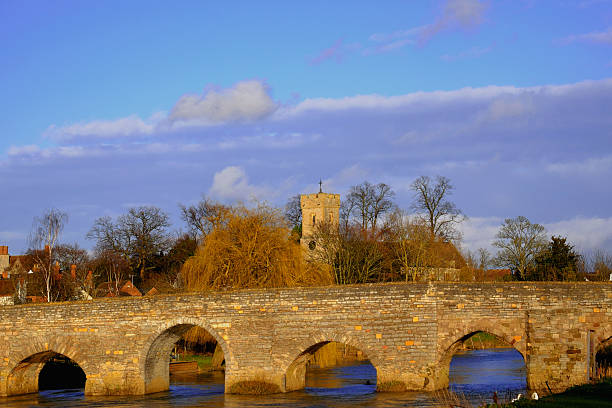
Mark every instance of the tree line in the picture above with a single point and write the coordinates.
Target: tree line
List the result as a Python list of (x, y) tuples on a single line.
[(238, 246)]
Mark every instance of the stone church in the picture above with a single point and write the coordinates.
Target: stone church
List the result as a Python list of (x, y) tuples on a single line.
[(317, 208)]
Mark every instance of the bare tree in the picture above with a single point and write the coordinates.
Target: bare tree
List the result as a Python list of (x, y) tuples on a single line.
[(431, 200), (596, 265), (368, 202), (109, 237), (136, 236), (519, 241), (113, 267), (381, 202), (602, 265), (75, 260), (202, 217), (351, 256), (346, 211), (361, 200), (412, 244), (484, 258), (293, 212), (44, 237), (146, 226), (71, 254)]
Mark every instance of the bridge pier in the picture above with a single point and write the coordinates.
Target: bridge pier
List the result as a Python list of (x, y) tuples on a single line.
[(22, 380), (254, 381), (114, 382)]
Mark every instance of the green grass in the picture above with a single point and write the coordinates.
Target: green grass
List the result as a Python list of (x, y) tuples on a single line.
[(485, 340), (204, 362), (580, 396)]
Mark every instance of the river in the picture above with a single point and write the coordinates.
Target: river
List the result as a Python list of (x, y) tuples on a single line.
[(476, 374)]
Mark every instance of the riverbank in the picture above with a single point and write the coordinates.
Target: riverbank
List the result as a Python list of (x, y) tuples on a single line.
[(483, 340), (204, 361), (593, 395)]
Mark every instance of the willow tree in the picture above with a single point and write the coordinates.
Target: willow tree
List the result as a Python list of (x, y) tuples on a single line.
[(251, 249)]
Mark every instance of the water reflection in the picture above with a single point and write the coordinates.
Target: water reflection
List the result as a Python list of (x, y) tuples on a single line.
[(477, 374)]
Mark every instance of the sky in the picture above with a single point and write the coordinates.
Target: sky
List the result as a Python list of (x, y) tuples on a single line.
[(114, 104)]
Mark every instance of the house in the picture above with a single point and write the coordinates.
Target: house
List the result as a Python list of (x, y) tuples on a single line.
[(112, 289), (497, 274)]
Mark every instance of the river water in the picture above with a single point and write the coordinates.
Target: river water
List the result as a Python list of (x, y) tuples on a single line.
[(475, 374)]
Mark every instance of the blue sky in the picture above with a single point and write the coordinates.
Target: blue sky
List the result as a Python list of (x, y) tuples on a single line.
[(109, 104)]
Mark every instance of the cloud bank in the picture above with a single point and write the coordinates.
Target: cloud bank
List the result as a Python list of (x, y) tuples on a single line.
[(543, 152)]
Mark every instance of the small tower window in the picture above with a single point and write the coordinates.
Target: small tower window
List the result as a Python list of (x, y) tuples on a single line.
[(313, 219)]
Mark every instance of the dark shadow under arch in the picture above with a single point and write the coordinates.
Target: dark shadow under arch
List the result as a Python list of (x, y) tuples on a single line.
[(45, 370)]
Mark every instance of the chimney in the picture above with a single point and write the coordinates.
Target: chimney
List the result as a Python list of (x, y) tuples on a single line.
[(73, 271), (4, 258)]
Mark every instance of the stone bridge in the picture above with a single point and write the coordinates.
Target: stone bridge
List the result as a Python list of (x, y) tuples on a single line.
[(409, 332)]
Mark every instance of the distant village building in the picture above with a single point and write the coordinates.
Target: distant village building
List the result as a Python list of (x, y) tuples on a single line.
[(316, 209), (122, 288), (4, 261)]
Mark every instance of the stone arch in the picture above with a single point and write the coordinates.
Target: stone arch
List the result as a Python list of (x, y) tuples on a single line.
[(29, 360), (157, 347), (512, 334), (294, 367)]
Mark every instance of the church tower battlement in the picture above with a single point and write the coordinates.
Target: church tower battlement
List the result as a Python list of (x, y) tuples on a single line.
[(317, 208)]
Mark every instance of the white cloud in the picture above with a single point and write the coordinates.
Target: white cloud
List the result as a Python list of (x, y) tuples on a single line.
[(598, 37), (35, 153), (22, 151), (479, 232), (232, 184), (585, 233), (346, 177), (245, 101), (592, 165), (123, 127)]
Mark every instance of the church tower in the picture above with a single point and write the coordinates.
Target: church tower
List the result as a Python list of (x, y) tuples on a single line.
[(317, 208)]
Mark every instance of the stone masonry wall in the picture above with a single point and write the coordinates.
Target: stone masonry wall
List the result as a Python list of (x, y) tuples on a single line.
[(408, 331)]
